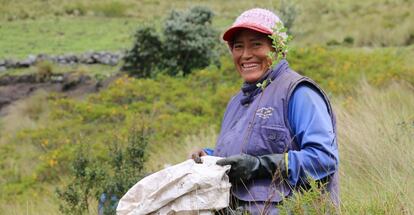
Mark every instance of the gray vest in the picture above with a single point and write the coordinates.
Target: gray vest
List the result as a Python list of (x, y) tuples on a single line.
[(243, 131)]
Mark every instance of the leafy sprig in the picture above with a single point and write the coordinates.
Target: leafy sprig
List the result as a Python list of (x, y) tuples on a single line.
[(280, 40), (263, 84)]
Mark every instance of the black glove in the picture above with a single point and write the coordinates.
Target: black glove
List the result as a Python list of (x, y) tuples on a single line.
[(245, 167)]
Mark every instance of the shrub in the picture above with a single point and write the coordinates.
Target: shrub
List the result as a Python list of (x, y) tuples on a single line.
[(288, 13), (145, 53), (189, 43), (348, 40), (112, 177), (44, 71)]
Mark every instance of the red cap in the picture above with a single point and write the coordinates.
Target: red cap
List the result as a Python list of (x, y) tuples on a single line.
[(257, 19)]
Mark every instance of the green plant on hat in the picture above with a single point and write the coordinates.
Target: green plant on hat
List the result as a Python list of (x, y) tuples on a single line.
[(280, 40)]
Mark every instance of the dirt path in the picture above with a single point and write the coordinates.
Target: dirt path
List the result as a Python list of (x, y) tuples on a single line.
[(14, 88)]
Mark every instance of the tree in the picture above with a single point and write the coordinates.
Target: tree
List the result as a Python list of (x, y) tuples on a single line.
[(189, 42)]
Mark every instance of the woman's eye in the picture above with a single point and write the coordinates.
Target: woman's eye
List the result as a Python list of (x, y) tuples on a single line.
[(237, 46), (257, 44)]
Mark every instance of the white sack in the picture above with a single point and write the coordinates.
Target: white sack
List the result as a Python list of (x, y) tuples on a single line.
[(185, 188)]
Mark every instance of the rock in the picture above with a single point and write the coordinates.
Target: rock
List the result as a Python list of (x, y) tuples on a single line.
[(42, 57), (2, 63), (56, 78), (27, 62), (3, 68), (113, 61), (71, 58), (9, 63), (105, 59), (86, 58)]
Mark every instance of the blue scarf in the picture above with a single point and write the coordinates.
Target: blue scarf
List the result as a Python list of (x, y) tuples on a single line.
[(250, 90)]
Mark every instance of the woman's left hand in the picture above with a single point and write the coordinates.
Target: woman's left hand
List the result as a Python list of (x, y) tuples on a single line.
[(245, 167)]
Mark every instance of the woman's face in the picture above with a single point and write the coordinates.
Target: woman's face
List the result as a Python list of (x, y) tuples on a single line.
[(250, 54)]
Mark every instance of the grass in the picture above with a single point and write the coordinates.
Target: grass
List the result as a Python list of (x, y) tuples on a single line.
[(52, 27), (59, 35), (376, 129)]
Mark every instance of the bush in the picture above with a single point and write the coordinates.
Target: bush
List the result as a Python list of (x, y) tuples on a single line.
[(44, 71), (111, 177), (189, 43), (145, 53), (288, 13)]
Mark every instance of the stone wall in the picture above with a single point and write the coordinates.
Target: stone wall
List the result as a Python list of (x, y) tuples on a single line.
[(97, 57)]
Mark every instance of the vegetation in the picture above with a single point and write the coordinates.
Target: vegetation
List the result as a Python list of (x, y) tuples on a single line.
[(95, 179), (61, 26), (42, 136), (189, 42)]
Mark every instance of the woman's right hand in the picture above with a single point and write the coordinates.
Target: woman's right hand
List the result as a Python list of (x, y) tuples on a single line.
[(196, 154)]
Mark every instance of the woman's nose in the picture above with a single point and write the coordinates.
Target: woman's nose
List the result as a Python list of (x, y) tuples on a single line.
[(247, 53)]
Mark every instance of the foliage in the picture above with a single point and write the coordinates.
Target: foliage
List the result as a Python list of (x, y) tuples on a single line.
[(145, 55), (312, 200), (113, 177), (39, 156), (339, 69), (280, 40), (188, 43), (44, 71), (75, 197), (288, 13)]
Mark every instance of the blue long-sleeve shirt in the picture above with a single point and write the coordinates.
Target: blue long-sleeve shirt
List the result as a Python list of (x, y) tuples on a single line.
[(312, 127)]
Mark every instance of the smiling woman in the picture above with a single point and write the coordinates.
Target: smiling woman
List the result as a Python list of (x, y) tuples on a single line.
[(279, 130)]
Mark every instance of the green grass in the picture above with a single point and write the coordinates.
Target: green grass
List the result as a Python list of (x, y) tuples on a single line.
[(376, 129), (105, 25), (65, 35)]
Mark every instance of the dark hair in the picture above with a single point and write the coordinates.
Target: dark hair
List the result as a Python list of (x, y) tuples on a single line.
[(230, 43)]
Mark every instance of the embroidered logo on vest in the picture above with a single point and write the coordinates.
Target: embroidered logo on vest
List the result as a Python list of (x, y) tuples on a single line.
[(264, 112)]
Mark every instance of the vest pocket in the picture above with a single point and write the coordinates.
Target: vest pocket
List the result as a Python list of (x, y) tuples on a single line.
[(274, 138)]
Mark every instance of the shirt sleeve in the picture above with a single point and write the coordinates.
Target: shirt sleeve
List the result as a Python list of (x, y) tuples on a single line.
[(209, 151), (312, 127)]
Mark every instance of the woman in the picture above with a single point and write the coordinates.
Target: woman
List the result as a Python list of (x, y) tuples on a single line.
[(279, 130)]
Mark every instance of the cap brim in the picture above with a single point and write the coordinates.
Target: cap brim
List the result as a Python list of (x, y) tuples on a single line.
[(229, 34)]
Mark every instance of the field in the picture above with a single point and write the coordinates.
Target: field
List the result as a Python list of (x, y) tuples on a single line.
[(359, 51)]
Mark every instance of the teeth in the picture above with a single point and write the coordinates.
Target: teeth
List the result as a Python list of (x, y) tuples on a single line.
[(249, 65)]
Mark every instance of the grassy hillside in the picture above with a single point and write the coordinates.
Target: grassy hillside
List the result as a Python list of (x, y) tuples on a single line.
[(359, 51), (40, 135)]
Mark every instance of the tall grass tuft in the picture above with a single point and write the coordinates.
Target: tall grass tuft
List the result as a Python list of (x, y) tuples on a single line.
[(376, 140)]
